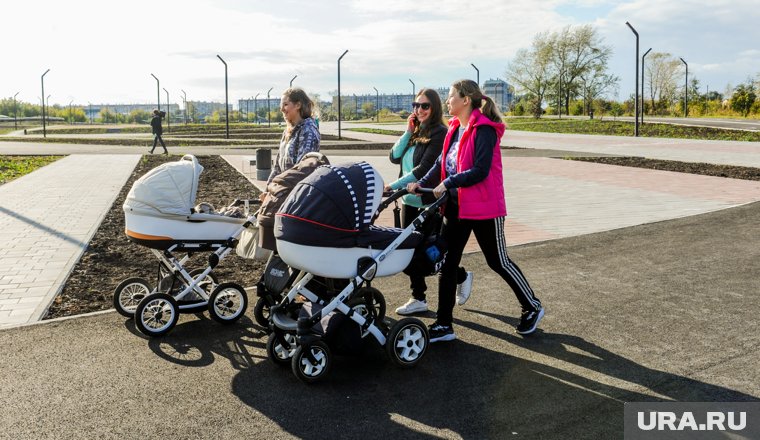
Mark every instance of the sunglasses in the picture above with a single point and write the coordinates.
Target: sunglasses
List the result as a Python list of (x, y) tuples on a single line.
[(422, 105)]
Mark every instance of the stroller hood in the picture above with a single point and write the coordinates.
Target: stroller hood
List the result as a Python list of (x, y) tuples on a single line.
[(167, 189), (330, 207)]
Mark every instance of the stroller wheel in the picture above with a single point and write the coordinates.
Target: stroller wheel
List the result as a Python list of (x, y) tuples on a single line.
[(277, 352), (227, 303), (156, 314), (128, 294), (208, 283), (359, 304), (311, 362), (407, 342), (263, 310)]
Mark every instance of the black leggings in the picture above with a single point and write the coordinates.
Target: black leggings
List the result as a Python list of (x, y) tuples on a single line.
[(156, 139), (418, 285), (490, 236)]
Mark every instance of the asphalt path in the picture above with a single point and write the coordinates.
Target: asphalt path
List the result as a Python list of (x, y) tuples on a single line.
[(663, 311)]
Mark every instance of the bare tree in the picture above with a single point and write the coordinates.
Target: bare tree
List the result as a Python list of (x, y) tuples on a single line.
[(530, 70), (662, 71), (597, 83)]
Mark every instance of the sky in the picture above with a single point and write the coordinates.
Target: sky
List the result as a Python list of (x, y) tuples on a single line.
[(105, 52)]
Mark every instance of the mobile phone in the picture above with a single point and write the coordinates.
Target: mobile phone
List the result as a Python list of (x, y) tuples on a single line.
[(415, 121)]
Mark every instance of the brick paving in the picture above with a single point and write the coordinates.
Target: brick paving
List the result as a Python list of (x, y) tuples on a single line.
[(46, 220)]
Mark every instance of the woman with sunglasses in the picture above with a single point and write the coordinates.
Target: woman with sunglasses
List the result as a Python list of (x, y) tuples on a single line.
[(470, 169), (416, 152)]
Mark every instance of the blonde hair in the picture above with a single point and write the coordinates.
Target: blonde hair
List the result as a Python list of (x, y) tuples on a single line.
[(469, 88)]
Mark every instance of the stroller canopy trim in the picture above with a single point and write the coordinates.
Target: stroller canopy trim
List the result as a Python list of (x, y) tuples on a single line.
[(169, 189)]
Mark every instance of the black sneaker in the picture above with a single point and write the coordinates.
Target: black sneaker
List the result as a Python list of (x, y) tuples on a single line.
[(529, 321), (440, 332)]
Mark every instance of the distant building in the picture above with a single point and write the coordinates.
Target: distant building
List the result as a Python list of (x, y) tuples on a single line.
[(201, 109), (501, 93), (395, 102), (254, 106)]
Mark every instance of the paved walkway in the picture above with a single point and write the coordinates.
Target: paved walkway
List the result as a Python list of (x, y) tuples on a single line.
[(685, 150), (552, 198), (44, 237), (46, 220)]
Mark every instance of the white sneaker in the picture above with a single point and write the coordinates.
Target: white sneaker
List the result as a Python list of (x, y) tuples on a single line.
[(464, 289), (412, 306)]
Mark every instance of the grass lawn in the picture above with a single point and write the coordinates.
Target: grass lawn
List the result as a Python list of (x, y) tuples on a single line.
[(607, 127), (13, 167), (376, 131), (624, 128)]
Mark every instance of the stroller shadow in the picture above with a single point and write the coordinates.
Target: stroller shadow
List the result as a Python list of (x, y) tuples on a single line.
[(197, 342), (468, 391), (459, 390), (578, 351)]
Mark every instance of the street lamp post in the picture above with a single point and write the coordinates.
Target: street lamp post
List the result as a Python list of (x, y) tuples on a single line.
[(686, 91), (256, 107), (291, 80), (47, 102), (71, 117), (168, 113), (636, 75), (42, 79), (158, 91), (89, 110), (339, 58), (377, 103), (226, 98), (642, 84), (184, 102), (15, 112), (478, 73), (269, 112), (414, 88)]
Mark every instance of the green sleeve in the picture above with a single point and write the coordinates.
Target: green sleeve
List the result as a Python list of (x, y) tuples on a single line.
[(400, 145)]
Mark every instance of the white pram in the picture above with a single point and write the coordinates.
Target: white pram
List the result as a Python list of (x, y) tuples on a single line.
[(325, 229), (159, 214)]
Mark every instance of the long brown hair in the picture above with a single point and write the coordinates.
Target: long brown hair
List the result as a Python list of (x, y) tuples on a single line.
[(422, 133), (296, 95), (468, 87)]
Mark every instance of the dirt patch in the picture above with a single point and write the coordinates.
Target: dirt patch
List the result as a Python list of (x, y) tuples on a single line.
[(705, 169), (110, 257)]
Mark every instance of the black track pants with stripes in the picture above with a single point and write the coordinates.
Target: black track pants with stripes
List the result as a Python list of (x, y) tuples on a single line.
[(490, 237)]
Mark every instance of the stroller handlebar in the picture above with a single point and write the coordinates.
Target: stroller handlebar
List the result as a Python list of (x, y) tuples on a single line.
[(392, 196)]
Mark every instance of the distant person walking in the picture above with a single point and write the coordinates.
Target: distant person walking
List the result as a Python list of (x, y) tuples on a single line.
[(158, 130)]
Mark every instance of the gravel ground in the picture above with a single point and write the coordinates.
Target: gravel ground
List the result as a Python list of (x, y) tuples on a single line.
[(111, 257), (705, 169)]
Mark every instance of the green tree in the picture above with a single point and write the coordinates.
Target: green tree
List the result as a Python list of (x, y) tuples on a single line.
[(579, 52), (368, 109), (531, 70), (743, 98), (138, 116)]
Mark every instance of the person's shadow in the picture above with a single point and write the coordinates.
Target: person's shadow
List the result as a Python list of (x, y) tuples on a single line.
[(458, 390)]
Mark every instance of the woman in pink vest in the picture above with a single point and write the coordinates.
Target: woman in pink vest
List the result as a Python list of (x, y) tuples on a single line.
[(470, 170)]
